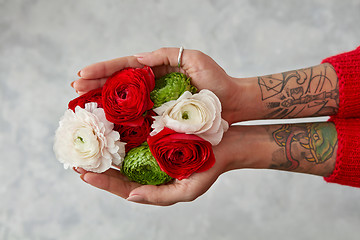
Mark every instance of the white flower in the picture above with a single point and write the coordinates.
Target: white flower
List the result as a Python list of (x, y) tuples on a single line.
[(86, 139), (198, 114)]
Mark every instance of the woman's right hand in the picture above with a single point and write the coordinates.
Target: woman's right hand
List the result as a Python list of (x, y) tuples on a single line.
[(227, 158)]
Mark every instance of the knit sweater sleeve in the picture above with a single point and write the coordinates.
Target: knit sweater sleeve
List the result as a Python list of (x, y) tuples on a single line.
[(347, 166), (347, 120), (347, 67)]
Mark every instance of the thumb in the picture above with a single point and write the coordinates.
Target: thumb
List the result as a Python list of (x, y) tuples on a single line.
[(185, 190), (163, 195)]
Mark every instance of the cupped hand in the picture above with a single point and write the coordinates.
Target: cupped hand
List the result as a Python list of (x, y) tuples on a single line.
[(176, 191), (164, 195), (203, 70)]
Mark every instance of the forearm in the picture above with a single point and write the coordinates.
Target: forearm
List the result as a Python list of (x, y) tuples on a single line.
[(306, 148), (306, 92)]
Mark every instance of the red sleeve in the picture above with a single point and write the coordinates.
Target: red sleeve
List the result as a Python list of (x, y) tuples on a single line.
[(347, 67), (347, 120), (347, 167)]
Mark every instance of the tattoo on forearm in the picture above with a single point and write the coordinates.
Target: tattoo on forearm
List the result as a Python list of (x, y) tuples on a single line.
[(305, 92), (311, 142)]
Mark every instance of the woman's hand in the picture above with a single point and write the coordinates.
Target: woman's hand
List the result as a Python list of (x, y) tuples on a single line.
[(164, 195), (176, 191), (203, 70)]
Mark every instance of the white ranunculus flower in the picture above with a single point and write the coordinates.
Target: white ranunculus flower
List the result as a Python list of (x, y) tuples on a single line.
[(86, 139), (198, 114)]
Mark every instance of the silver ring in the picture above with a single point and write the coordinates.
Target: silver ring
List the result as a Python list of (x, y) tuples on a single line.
[(180, 55)]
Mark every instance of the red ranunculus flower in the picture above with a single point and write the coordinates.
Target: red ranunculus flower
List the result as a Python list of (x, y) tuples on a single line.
[(126, 95), (179, 154), (91, 96), (135, 136)]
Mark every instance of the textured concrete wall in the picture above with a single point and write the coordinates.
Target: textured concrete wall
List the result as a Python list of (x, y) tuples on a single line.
[(44, 43)]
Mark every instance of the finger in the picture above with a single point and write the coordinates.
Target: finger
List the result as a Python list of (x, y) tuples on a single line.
[(110, 172), (114, 184), (160, 71), (116, 173), (162, 56), (79, 170), (107, 68), (86, 85), (165, 60)]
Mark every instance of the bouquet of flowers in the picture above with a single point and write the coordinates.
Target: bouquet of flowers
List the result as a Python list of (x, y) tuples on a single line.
[(154, 131)]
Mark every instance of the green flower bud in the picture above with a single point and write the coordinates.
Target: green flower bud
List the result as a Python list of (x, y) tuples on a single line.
[(140, 166), (170, 87)]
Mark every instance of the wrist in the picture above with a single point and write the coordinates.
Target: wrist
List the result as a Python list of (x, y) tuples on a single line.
[(248, 95), (243, 147)]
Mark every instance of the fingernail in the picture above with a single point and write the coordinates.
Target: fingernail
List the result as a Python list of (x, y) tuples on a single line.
[(72, 84), (82, 176), (141, 55), (136, 198), (79, 170), (79, 73)]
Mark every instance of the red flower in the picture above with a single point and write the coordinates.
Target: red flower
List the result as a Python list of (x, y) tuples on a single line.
[(92, 96), (126, 96), (135, 136), (179, 154)]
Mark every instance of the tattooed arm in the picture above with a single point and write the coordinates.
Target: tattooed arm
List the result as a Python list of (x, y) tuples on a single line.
[(300, 93), (306, 92), (307, 148)]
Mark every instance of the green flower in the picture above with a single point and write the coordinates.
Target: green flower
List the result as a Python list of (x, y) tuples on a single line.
[(170, 87), (140, 166)]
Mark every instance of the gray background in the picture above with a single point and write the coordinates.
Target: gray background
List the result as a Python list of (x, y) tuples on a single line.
[(44, 43)]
